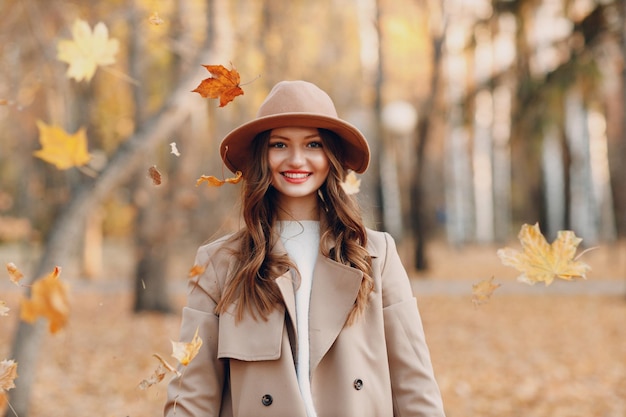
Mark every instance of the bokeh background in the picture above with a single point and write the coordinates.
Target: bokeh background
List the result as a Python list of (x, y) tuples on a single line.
[(481, 115)]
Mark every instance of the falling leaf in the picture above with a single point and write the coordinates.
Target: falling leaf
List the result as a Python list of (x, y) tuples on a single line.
[(4, 310), (8, 373), (155, 175), (4, 102), (155, 19), (60, 148), (174, 149), (14, 274), (216, 182), (196, 270), (87, 50), (49, 299), (159, 373), (186, 351), (351, 184), (482, 291), (542, 262), (223, 84)]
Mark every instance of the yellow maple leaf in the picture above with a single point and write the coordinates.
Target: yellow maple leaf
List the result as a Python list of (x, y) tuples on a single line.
[(481, 292), (87, 50), (60, 148), (541, 262), (351, 185), (184, 352), (8, 373), (48, 299)]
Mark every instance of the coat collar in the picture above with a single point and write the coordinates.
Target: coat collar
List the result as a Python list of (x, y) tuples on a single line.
[(333, 293)]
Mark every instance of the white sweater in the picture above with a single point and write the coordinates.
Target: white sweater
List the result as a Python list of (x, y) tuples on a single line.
[(301, 240)]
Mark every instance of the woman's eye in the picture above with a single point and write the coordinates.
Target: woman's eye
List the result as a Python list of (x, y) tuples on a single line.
[(315, 145), (277, 145)]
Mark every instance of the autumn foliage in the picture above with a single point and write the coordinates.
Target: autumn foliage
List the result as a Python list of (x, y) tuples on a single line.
[(223, 84)]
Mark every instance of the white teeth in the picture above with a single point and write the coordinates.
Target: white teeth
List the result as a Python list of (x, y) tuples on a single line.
[(295, 175)]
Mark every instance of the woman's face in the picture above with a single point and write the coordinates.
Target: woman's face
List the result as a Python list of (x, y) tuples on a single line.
[(298, 163)]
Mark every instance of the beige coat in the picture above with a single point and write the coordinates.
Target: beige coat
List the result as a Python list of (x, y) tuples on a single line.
[(378, 367)]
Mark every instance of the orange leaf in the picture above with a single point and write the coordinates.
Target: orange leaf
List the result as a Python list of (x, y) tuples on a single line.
[(223, 84), (542, 262), (196, 270), (216, 182), (14, 274), (8, 373), (48, 299), (60, 148), (186, 351), (482, 291)]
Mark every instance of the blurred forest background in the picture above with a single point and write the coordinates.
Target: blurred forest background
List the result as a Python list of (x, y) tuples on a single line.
[(482, 115)]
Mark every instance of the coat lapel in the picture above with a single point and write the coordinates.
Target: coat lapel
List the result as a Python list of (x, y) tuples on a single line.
[(335, 287)]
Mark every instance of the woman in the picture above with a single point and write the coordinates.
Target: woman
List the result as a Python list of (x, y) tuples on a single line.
[(304, 312)]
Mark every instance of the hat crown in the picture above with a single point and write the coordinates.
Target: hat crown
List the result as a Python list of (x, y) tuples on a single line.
[(297, 97)]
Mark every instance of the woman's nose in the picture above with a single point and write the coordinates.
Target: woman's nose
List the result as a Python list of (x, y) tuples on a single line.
[(296, 157)]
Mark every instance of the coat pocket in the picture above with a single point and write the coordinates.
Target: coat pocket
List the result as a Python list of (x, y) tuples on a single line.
[(250, 339)]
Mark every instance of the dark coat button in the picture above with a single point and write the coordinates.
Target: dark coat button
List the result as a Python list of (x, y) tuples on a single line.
[(267, 400), (358, 384)]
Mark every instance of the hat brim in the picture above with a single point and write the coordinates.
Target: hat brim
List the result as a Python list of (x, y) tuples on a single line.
[(235, 148)]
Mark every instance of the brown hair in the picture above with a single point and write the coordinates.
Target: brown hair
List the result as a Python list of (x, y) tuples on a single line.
[(252, 282)]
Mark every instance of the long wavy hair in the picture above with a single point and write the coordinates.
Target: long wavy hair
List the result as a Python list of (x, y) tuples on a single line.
[(252, 285)]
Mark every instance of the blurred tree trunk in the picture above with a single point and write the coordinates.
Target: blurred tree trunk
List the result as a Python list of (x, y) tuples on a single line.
[(151, 255), (426, 113), (618, 154), (583, 213)]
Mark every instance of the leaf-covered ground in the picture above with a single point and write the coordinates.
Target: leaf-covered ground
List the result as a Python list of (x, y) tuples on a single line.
[(541, 353)]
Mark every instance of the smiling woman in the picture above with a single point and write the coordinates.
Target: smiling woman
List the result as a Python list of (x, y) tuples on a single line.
[(304, 305)]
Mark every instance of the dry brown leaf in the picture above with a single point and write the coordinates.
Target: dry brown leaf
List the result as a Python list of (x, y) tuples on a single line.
[(49, 299), (481, 292), (155, 175), (184, 352), (15, 275), (216, 182), (541, 262), (351, 185), (8, 373), (223, 84), (159, 373)]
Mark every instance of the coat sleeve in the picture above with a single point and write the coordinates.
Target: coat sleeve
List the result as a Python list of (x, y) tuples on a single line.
[(197, 392), (414, 389)]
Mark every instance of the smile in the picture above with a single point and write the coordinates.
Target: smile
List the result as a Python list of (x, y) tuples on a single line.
[(296, 175)]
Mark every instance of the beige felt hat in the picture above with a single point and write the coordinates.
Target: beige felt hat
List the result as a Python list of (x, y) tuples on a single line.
[(298, 104)]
